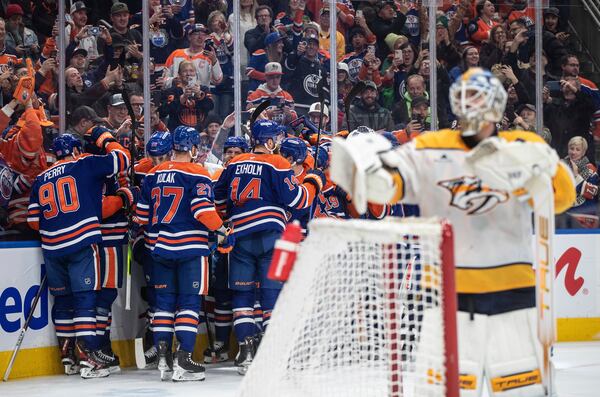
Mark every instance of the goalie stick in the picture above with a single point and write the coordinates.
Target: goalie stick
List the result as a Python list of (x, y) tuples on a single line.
[(24, 329), (132, 154)]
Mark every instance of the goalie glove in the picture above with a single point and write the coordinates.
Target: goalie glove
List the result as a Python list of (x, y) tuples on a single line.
[(512, 166), (365, 167)]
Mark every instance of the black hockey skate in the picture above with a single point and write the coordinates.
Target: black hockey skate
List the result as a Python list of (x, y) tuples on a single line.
[(67, 355), (110, 359), (165, 361), (185, 368), (245, 355), (91, 366), (221, 353)]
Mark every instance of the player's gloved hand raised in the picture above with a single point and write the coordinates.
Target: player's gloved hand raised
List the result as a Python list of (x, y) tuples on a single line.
[(100, 136), (130, 196), (316, 178)]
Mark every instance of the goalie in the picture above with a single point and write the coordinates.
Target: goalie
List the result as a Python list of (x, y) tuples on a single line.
[(484, 181)]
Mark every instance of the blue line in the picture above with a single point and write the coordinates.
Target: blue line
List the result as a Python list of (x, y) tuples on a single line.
[(20, 244)]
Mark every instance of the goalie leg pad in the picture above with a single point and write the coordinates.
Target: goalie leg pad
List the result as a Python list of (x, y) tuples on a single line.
[(243, 314), (472, 339), (186, 320), (513, 358)]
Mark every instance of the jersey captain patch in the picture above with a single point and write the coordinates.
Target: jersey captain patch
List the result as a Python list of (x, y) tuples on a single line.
[(470, 195)]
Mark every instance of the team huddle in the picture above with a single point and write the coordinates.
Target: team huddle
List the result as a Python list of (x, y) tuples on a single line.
[(202, 229)]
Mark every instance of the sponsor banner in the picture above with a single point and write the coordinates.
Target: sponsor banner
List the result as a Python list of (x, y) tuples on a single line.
[(577, 282)]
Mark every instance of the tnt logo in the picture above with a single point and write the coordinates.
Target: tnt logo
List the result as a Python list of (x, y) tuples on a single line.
[(570, 259)]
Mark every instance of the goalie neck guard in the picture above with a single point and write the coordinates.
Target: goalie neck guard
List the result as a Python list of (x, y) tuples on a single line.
[(477, 97)]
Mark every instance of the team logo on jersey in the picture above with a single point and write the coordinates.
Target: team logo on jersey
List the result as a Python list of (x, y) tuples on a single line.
[(470, 195), (310, 84), (6, 183)]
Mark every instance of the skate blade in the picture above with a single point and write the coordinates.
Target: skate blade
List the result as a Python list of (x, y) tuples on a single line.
[(166, 376), (216, 359), (184, 376), (91, 373), (114, 370), (242, 370), (71, 369)]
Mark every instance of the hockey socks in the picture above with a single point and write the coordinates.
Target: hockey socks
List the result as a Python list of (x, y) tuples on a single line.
[(163, 327), (104, 302), (62, 316), (84, 318), (243, 314), (186, 328), (223, 316)]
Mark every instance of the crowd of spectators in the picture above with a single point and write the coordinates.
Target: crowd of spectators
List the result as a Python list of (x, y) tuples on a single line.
[(284, 54)]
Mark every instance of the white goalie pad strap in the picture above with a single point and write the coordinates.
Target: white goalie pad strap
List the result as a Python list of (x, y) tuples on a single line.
[(511, 165), (513, 359), (472, 343), (357, 168)]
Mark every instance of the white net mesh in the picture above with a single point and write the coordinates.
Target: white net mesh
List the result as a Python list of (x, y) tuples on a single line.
[(361, 315)]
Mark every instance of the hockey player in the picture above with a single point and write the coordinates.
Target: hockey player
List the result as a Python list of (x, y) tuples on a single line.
[(176, 207), (255, 190), (220, 291), (66, 207), (495, 279), (294, 150), (159, 149)]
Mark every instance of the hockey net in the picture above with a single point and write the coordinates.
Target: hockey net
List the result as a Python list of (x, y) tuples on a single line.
[(369, 310)]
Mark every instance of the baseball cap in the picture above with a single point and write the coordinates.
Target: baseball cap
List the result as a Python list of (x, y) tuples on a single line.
[(81, 51), (13, 9), (118, 7), (116, 100), (392, 38), (343, 67), (84, 112), (273, 38), (77, 6), (273, 68), (442, 20), (419, 100), (552, 11), (316, 108), (196, 27), (370, 84), (324, 9)]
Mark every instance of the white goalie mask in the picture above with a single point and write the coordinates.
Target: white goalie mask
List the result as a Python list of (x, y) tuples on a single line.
[(477, 96)]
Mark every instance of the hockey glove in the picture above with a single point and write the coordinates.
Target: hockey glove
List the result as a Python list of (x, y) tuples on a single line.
[(100, 136), (130, 196), (225, 238), (316, 178)]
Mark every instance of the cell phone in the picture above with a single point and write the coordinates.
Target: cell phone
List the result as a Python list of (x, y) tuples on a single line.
[(155, 76), (553, 87), (398, 54), (95, 31), (359, 13), (425, 46), (371, 49), (245, 117)]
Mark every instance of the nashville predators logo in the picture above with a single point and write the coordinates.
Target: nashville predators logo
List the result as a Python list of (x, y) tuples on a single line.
[(470, 195)]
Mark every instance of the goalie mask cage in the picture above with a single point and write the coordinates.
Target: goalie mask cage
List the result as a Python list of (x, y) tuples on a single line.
[(369, 310)]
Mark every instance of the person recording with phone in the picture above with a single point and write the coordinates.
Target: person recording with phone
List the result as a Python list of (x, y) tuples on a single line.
[(18, 36), (188, 102)]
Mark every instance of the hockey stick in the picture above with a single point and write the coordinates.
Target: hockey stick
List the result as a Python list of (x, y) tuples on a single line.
[(354, 92), (259, 109), (132, 153), (321, 91), (24, 329)]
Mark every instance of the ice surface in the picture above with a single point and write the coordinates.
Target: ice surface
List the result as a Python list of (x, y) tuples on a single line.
[(577, 372)]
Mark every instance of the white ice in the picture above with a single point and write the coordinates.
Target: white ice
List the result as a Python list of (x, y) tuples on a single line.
[(577, 375)]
